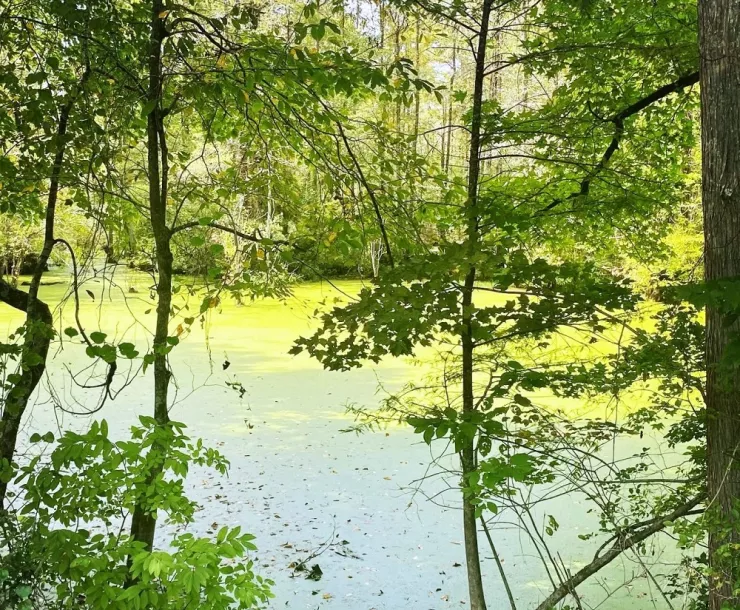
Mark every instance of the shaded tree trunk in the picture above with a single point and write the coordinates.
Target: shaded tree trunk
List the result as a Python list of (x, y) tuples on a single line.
[(144, 522), (467, 341), (719, 34), (417, 100), (443, 138), (39, 332), (446, 153), (38, 327)]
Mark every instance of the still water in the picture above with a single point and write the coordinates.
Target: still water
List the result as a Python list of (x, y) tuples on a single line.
[(296, 481)]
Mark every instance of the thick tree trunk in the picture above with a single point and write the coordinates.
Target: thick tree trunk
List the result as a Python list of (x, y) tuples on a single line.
[(467, 457), (719, 33), (144, 522)]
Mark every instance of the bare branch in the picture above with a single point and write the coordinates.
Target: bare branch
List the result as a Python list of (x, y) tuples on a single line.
[(623, 544)]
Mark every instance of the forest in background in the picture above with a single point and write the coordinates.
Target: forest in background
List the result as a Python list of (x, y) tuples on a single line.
[(512, 178)]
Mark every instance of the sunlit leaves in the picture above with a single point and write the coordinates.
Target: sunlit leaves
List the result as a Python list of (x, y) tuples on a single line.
[(100, 563), (420, 304)]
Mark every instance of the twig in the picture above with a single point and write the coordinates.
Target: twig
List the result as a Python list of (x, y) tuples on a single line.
[(500, 567)]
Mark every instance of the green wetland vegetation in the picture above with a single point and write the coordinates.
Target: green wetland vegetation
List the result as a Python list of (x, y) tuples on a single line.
[(360, 504), (369, 305)]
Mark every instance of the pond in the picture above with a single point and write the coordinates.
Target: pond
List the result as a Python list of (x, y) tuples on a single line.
[(298, 482)]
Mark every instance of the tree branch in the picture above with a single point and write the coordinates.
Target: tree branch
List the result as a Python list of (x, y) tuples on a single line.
[(15, 297), (618, 121), (370, 192), (253, 237), (623, 544)]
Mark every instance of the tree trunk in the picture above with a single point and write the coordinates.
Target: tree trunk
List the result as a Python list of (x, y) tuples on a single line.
[(39, 329), (451, 102), (443, 132), (719, 34), (143, 523), (417, 99), (39, 332), (467, 457)]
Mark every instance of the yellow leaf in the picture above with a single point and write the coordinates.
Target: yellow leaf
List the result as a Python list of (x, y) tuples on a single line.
[(246, 96), (30, 188), (221, 62), (163, 14), (327, 596), (261, 254)]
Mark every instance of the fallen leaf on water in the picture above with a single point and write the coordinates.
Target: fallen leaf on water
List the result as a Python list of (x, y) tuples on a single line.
[(315, 573)]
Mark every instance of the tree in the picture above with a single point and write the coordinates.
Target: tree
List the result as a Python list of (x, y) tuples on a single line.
[(719, 39), (36, 90), (469, 330), (189, 82), (505, 282)]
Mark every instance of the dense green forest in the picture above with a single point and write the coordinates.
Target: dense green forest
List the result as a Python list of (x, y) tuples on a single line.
[(519, 217)]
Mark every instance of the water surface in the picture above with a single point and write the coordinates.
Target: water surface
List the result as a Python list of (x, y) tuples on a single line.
[(297, 482)]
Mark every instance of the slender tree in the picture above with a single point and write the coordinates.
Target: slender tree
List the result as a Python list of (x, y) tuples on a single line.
[(468, 330), (30, 103), (143, 522)]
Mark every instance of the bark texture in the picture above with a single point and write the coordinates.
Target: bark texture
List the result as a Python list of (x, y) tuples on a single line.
[(719, 39)]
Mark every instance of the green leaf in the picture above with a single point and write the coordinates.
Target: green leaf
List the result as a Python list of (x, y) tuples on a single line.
[(318, 30), (128, 350), (23, 591), (147, 108), (428, 435), (97, 337)]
